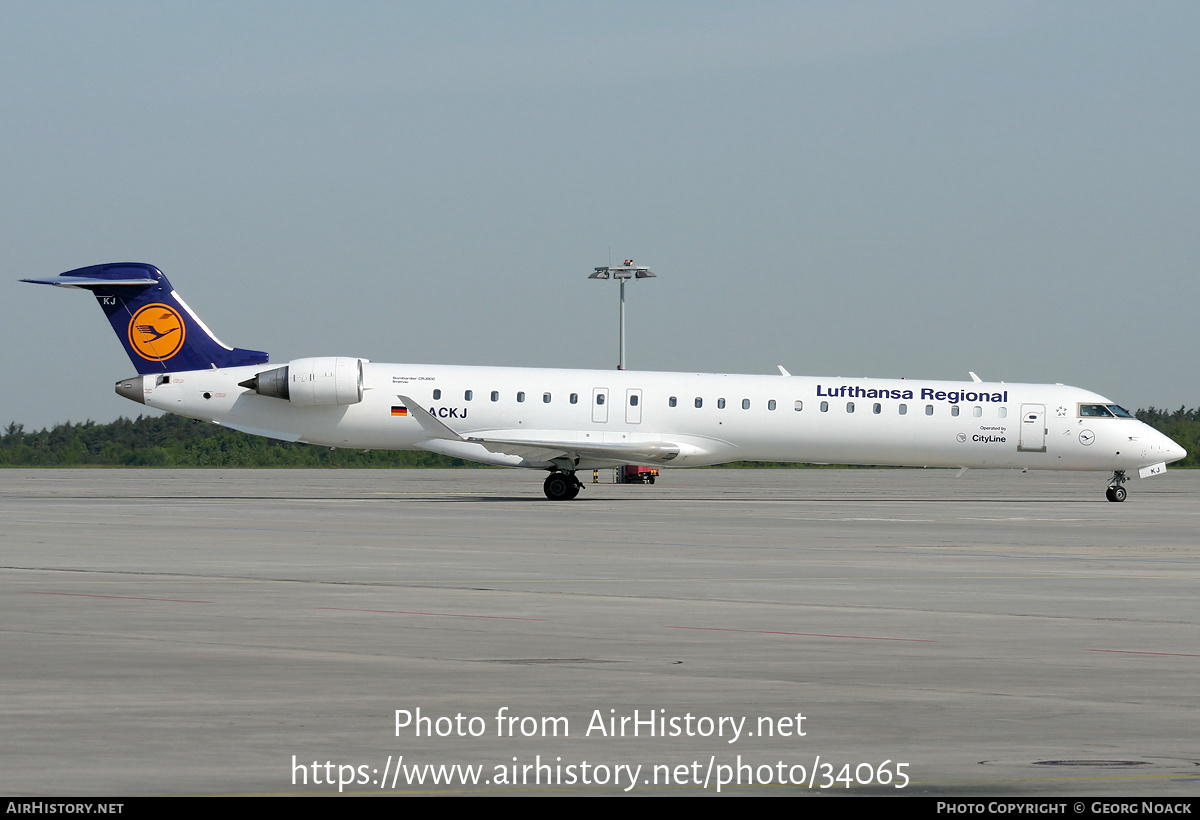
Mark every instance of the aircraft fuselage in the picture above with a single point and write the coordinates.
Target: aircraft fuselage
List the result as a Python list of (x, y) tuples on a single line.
[(711, 418)]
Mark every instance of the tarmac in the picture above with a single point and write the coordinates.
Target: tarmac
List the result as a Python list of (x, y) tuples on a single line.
[(808, 632)]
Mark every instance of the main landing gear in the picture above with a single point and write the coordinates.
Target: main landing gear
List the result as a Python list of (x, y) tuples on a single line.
[(561, 486), (1115, 491)]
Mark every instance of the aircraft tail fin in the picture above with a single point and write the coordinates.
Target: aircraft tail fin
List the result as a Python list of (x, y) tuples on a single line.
[(159, 331)]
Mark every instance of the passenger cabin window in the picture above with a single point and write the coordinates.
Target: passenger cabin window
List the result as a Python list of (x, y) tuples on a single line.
[(521, 396), (437, 394), (1002, 412), (824, 407), (977, 411), (699, 401), (877, 408), (745, 404), (771, 404), (720, 404), (800, 406), (545, 398), (954, 409), (929, 409), (574, 398), (849, 407), (599, 398), (495, 395), (633, 400), (671, 402), (468, 395), (904, 409)]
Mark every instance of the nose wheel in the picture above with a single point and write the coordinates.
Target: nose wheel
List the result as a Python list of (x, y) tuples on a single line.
[(561, 486), (1115, 491)]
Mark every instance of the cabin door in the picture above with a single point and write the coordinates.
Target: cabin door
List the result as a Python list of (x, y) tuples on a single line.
[(600, 405), (633, 406), (1033, 429)]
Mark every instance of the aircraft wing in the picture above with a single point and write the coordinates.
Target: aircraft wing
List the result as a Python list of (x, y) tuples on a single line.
[(532, 446)]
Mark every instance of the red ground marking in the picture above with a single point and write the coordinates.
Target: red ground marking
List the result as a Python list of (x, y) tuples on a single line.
[(803, 634), (1132, 652)]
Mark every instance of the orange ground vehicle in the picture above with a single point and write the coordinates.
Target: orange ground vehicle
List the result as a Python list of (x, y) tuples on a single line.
[(636, 474)]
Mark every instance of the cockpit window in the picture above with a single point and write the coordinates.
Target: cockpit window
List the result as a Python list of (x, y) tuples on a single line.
[(1120, 411), (1093, 411)]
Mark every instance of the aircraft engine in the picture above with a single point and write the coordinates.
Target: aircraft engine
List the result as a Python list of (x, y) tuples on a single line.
[(319, 382)]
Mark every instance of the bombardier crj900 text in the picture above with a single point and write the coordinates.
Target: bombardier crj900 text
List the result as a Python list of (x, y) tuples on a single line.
[(568, 420)]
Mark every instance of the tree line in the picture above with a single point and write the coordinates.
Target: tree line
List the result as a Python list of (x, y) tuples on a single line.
[(1181, 426), (175, 441)]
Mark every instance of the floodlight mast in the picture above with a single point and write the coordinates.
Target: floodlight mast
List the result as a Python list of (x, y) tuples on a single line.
[(622, 274)]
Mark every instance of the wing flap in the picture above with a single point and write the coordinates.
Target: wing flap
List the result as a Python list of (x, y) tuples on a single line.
[(535, 446), (628, 452)]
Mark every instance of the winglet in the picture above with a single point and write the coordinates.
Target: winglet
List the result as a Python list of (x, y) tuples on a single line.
[(782, 372), (433, 427), (974, 378)]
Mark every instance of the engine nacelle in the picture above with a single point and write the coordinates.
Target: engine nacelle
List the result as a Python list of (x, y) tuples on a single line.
[(322, 382)]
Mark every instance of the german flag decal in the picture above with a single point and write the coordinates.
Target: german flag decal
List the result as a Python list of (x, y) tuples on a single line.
[(399, 410)]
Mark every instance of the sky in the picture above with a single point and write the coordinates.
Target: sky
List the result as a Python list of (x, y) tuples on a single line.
[(891, 189)]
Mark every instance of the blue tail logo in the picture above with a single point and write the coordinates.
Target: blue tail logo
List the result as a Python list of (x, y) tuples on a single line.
[(159, 331)]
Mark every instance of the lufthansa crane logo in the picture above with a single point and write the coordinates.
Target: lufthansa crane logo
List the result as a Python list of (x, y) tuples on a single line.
[(156, 332)]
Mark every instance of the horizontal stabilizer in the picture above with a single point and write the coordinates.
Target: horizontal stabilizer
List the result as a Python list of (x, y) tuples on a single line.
[(88, 282)]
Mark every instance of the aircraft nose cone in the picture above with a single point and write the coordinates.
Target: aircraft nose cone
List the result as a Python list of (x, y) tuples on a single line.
[(1170, 450)]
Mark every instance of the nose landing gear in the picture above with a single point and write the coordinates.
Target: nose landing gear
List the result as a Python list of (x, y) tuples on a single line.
[(1115, 491), (561, 486)]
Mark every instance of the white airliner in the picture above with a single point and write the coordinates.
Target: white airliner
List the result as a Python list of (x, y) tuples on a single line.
[(567, 420)]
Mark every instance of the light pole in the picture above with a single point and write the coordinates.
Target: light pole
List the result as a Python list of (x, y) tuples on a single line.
[(622, 274)]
